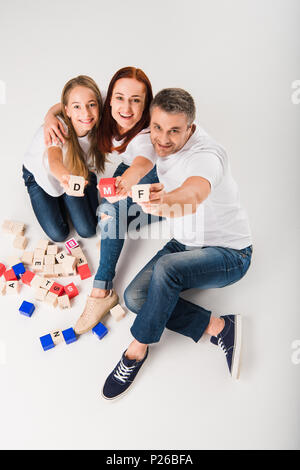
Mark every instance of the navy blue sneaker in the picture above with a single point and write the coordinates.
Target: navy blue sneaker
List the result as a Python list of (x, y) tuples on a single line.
[(120, 379), (230, 341)]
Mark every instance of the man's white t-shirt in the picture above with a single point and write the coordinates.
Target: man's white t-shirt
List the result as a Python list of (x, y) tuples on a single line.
[(219, 220)]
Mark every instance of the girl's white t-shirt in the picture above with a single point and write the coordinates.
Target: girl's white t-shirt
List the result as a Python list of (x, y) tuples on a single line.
[(36, 161), (219, 220)]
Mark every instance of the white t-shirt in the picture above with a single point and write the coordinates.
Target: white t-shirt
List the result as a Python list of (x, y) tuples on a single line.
[(36, 161), (139, 146), (219, 220)]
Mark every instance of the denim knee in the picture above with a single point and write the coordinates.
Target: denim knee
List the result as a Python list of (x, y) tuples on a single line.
[(130, 300), (165, 268), (86, 231), (57, 234)]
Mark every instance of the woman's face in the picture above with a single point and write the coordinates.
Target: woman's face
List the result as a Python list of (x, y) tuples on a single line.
[(82, 109), (127, 103)]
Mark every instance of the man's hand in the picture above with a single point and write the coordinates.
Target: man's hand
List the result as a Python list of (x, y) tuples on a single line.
[(156, 200)]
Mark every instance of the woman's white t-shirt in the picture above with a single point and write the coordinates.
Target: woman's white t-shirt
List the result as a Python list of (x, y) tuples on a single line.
[(219, 220), (139, 146)]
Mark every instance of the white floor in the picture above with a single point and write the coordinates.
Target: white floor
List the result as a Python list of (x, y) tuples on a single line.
[(184, 397)]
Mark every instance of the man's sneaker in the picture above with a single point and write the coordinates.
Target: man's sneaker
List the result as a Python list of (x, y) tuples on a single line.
[(120, 379), (230, 340), (95, 309)]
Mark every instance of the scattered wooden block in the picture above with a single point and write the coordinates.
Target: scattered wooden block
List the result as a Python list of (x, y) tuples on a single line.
[(43, 245), (52, 250), (37, 265), (40, 293), (10, 275), (20, 242), (140, 192), (61, 256), (107, 187), (49, 259), (46, 284), (71, 290), (117, 312), (39, 253), (18, 228), (12, 287), (57, 289), (27, 257), (48, 270), (84, 271), (27, 277), (2, 287), (2, 269), (12, 260), (56, 336), (71, 244), (7, 226), (58, 270), (76, 186), (51, 299), (64, 302), (76, 252), (82, 260), (36, 281)]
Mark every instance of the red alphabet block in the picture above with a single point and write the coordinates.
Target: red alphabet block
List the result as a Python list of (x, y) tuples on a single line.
[(57, 289), (27, 277), (2, 269), (70, 244), (107, 187), (10, 275), (84, 271), (71, 290)]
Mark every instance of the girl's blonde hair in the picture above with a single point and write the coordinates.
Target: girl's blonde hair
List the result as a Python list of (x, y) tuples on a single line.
[(75, 160)]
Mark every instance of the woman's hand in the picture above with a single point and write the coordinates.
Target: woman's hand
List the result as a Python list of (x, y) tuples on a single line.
[(156, 199), (54, 131)]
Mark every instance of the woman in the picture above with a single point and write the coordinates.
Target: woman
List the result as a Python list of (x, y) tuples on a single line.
[(124, 130), (47, 183)]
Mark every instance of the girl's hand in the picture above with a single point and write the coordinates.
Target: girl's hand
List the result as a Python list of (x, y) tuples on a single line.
[(64, 181), (53, 130)]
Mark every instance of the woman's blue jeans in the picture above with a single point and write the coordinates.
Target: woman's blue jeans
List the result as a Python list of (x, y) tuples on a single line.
[(154, 294), (52, 212), (114, 229)]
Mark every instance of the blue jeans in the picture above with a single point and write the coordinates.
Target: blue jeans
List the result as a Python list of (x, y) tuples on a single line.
[(154, 293), (52, 212), (114, 229)]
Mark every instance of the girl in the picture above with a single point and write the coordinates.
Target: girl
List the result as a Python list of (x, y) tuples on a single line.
[(47, 181), (124, 131)]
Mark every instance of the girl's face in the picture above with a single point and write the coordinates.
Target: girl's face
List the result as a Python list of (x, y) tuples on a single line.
[(82, 109), (127, 103)]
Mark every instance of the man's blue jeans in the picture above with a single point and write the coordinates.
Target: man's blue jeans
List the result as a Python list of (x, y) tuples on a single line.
[(154, 292), (114, 229), (52, 212)]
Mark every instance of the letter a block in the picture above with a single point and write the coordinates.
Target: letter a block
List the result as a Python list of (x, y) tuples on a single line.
[(107, 187)]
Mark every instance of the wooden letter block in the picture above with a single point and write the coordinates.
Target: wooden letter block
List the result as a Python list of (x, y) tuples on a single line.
[(84, 271), (57, 336), (39, 253), (12, 287), (51, 299), (52, 250), (20, 242), (71, 290), (117, 312), (46, 284), (60, 257), (27, 257), (107, 187), (2, 287), (40, 293), (27, 277), (37, 265), (48, 270), (36, 282), (57, 289), (76, 186), (43, 245), (70, 244), (10, 275), (49, 260), (64, 302), (18, 228), (140, 192), (58, 270), (12, 260)]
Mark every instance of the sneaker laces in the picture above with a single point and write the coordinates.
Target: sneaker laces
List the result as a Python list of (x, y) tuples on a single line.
[(222, 345), (123, 372)]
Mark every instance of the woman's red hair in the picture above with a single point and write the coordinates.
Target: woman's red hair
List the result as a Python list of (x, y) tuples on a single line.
[(108, 127)]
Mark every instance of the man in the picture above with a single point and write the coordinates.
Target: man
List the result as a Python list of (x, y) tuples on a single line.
[(211, 244)]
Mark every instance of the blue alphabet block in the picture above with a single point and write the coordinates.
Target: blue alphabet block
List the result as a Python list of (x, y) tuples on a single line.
[(27, 308), (18, 269), (100, 330), (69, 335), (47, 342)]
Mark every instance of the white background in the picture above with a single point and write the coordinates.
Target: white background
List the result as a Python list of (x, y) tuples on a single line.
[(238, 58)]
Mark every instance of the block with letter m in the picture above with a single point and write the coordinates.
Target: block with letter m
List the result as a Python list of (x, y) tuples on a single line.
[(107, 187)]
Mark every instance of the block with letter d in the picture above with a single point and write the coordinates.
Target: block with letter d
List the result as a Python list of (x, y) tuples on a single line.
[(76, 186), (107, 187)]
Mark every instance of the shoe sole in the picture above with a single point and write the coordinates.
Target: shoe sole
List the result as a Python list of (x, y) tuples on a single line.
[(98, 321), (235, 368)]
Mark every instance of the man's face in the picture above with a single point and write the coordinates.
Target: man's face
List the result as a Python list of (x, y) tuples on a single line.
[(169, 132)]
